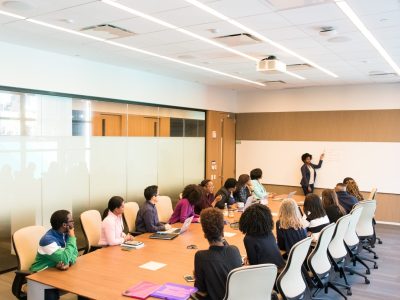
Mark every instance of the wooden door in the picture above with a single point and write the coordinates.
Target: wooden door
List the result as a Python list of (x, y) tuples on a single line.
[(107, 125), (228, 148)]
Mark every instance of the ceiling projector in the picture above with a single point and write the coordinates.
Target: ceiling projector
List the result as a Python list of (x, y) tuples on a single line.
[(271, 64)]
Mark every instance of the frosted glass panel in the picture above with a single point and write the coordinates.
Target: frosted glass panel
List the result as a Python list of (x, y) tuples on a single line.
[(70, 153), (170, 166), (141, 167), (193, 160), (65, 181), (108, 163)]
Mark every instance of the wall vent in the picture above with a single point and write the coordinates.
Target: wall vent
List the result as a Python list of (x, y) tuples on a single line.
[(107, 31), (239, 39)]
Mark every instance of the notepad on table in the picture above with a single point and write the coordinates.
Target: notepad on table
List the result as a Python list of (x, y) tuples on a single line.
[(173, 291), (142, 290), (152, 266)]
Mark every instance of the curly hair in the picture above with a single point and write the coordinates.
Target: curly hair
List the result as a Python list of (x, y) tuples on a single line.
[(330, 198), (256, 221), (305, 156), (352, 189), (289, 215), (212, 223), (192, 193)]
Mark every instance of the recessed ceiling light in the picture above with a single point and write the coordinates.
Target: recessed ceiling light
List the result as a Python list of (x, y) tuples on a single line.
[(17, 5), (349, 12)]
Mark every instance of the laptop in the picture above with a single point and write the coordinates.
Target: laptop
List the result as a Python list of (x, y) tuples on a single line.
[(250, 200), (173, 232)]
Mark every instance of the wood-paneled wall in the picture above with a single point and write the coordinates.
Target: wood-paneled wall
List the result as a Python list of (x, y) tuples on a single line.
[(356, 126)]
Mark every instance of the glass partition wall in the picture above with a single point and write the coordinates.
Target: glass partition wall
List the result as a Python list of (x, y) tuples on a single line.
[(74, 154)]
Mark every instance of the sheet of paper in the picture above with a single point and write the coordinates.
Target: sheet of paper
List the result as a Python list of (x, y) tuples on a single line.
[(229, 234), (152, 266), (274, 214)]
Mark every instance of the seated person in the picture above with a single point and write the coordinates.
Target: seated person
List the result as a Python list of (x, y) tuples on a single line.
[(112, 227), (289, 228), (259, 190), (314, 218), (212, 266), (352, 189), (57, 248), (346, 200), (147, 217), (257, 224), (185, 208), (226, 193), (244, 188), (207, 197), (331, 205)]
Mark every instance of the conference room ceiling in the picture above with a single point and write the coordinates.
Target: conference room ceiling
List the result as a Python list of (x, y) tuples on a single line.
[(295, 24)]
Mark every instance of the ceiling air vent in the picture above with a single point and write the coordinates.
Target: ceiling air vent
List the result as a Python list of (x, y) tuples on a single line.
[(298, 67), (239, 39), (107, 31), (274, 83), (382, 74)]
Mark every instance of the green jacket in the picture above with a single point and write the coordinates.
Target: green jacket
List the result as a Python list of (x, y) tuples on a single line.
[(55, 247)]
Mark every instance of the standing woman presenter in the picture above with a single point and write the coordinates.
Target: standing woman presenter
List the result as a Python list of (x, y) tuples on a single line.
[(308, 173)]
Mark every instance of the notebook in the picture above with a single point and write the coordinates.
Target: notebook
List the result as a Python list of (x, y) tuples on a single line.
[(164, 235), (173, 291), (142, 290)]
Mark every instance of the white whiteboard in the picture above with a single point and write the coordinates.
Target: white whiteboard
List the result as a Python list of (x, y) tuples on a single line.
[(370, 164)]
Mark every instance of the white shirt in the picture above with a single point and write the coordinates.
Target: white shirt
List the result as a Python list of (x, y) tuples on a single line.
[(112, 230), (312, 174)]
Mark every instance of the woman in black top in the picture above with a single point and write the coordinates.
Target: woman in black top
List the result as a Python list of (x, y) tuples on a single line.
[(314, 218), (257, 224), (212, 266), (289, 229), (331, 205), (308, 173)]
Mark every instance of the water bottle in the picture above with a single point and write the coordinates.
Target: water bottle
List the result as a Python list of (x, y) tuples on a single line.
[(226, 210)]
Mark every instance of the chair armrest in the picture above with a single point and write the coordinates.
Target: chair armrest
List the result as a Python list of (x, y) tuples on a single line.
[(19, 281)]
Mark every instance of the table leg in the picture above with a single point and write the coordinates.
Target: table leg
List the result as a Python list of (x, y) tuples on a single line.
[(36, 290)]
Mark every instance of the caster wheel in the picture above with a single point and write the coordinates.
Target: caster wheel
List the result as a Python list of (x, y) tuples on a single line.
[(349, 293), (376, 257), (367, 281), (368, 272), (372, 246), (351, 273), (380, 242), (375, 266)]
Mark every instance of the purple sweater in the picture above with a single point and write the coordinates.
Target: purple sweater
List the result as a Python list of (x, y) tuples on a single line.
[(183, 210)]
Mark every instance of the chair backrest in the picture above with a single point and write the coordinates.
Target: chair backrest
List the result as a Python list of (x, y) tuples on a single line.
[(164, 208), (26, 243), (337, 248), (290, 282), (251, 282), (318, 261), (91, 227), (372, 194), (351, 238), (364, 226), (130, 213)]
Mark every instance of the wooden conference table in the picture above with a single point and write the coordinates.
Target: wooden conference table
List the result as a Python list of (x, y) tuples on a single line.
[(105, 273)]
